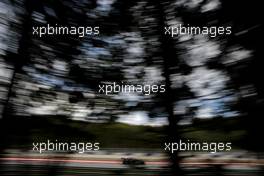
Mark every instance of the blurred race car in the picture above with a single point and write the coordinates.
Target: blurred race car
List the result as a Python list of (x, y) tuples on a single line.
[(132, 161)]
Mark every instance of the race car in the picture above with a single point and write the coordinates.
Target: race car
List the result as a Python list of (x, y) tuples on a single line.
[(132, 161)]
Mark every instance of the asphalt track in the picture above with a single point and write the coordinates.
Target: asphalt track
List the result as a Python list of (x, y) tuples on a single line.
[(69, 167)]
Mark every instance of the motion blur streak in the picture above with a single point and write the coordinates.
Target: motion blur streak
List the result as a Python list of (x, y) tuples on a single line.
[(118, 162)]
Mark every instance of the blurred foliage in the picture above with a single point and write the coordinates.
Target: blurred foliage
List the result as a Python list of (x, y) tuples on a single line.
[(117, 135), (205, 77)]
